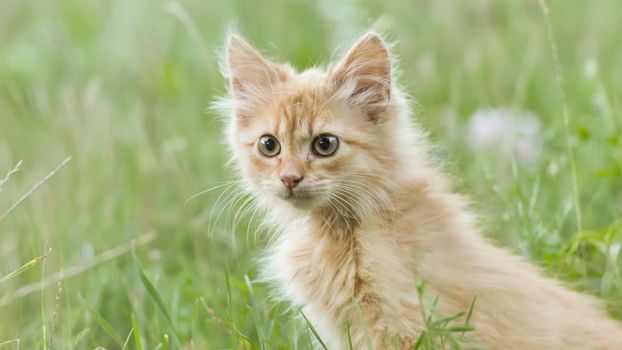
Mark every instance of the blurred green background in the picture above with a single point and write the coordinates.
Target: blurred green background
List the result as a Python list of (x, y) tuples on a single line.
[(123, 88)]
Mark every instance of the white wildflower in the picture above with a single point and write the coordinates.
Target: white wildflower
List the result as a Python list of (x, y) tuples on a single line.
[(507, 132)]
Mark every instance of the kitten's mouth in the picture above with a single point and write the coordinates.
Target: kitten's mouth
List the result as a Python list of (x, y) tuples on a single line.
[(296, 197)]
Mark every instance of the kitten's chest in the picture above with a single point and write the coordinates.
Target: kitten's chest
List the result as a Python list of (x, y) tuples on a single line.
[(316, 272), (325, 274)]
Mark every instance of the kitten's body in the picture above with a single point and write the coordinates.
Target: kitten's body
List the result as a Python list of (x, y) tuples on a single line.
[(368, 224)]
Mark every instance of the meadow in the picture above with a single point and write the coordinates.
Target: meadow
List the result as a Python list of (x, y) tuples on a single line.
[(104, 119)]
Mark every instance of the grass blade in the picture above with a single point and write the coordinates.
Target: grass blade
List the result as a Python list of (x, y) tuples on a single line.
[(350, 346), (166, 342), (127, 339), (368, 340), (470, 313), (26, 266), (566, 119), (34, 188), (104, 324), (315, 333), (8, 176), (77, 269), (255, 313), (155, 295), (44, 333), (10, 342), (137, 340), (78, 338)]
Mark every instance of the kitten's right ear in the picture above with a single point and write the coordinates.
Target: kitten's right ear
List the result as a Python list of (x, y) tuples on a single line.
[(365, 72), (248, 70)]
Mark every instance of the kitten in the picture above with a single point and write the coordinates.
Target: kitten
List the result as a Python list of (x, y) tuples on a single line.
[(363, 214)]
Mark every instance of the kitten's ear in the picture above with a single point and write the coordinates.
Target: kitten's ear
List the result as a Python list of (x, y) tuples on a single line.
[(248, 70), (367, 69)]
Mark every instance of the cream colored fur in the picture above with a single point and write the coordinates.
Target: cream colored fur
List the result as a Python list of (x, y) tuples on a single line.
[(369, 223)]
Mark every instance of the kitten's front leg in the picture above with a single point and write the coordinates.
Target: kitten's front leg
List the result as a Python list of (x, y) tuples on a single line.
[(385, 318)]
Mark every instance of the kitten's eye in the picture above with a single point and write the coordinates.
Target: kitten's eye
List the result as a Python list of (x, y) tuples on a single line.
[(325, 145), (269, 146)]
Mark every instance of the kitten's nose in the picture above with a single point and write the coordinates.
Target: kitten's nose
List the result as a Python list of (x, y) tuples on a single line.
[(291, 181)]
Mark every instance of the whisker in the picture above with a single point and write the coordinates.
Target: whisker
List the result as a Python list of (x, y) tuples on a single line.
[(232, 201), (361, 199), (370, 195), (241, 212), (250, 222), (354, 213), (210, 189), (229, 193)]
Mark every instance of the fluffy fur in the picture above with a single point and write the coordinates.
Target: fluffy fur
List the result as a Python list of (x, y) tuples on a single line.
[(367, 224)]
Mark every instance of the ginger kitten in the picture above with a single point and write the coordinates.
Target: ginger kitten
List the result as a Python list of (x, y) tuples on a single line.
[(362, 213)]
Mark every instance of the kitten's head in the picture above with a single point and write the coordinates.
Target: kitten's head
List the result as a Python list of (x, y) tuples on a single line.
[(316, 139)]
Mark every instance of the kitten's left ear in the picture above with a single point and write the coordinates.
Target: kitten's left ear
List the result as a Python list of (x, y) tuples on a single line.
[(366, 69), (248, 70)]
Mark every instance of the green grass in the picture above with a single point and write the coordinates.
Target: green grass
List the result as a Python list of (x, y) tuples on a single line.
[(122, 87)]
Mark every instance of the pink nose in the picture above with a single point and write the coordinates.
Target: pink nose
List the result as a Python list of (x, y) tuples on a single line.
[(291, 181)]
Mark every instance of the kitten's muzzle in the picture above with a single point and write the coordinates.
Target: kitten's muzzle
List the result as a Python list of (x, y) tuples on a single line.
[(291, 181)]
